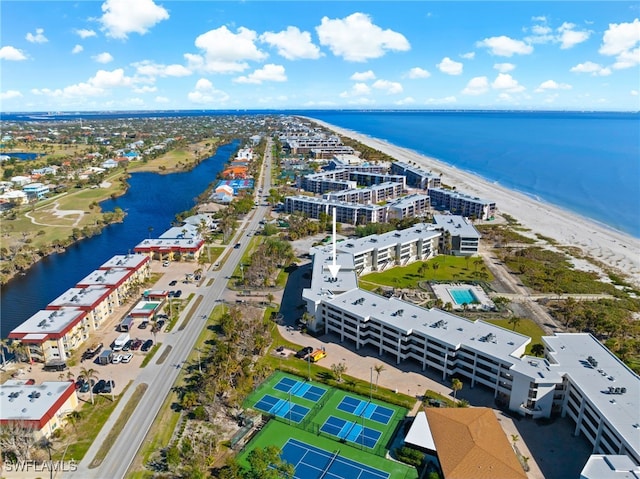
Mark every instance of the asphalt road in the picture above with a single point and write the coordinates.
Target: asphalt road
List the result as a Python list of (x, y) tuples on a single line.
[(161, 377)]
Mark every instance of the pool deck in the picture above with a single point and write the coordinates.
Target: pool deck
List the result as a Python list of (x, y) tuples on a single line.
[(443, 292)]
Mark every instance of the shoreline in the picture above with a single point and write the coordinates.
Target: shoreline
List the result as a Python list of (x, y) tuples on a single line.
[(614, 248)]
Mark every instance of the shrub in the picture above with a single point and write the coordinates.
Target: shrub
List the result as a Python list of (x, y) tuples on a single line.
[(410, 456)]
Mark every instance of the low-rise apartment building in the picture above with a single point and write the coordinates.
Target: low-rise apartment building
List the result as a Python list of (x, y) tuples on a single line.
[(415, 176), (462, 204)]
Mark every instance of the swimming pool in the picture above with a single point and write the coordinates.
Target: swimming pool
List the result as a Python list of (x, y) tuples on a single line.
[(462, 296)]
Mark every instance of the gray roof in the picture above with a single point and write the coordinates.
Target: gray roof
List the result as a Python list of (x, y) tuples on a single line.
[(360, 245), (571, 351), (129, 261), (456, 225)]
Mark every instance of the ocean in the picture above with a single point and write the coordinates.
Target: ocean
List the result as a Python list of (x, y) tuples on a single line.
[(584, 162)]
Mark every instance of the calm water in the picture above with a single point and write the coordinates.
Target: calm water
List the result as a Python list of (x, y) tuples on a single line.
[(152, 200), (587, 163)]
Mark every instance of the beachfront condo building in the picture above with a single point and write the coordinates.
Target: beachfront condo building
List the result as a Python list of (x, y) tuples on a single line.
[(577, 377), (371, 195), (462, 204), (415, 176), (462, 238)]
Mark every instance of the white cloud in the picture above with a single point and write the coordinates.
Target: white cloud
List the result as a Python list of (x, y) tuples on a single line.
[(507, 83), (104, 57), (504, 67), (450, 67), (417, 72), (84, 33), (269, 72), (205, 93), (7, 95), (552, 85), (77, 49), (122, 17), (153, 70), (633, 92), (356, 39), (505, 47), (389, 87), (590, 67), (476, 86), (292, 44), (469, 55), (161, 99), (97, 86), (145, 89), (225, 51), (447, 100), (11, 53), (406, 101), (358, 89), (363, 76), (38, 37), (570, 37), (621, 40)]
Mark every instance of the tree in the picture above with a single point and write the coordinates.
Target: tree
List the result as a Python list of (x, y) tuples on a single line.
[(456, 385), (515, 321), (378, 368), (267, 464), (74, 417), (338, 370), (537, 350), (88, 374)]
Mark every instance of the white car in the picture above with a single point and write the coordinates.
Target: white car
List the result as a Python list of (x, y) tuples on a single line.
[(126, 358), (116, 359)]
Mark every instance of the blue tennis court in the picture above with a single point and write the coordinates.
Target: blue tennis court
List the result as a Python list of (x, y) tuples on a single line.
[(301, 389), (314, 463), (366, 409), (351, 431), (282, 408)]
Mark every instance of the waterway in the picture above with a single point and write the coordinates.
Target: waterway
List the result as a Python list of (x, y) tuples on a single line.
[(152, 201)]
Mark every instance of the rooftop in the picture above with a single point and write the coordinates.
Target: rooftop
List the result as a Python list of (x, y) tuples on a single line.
[(49, 323), (19, 401)]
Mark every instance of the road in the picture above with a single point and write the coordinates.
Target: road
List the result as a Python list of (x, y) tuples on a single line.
[(159, 378)]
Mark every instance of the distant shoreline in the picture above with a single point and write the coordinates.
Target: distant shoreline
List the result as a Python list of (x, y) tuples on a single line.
[(612, 247)]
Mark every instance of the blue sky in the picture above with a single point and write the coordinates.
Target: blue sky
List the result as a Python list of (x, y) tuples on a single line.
[(157, 55)]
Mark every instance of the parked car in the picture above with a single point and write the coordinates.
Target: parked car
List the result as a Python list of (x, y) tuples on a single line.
[(143, 325), (303, 352), (86, 386), (127, 358), (99, 386), (136, 344), (127, 345), (108, 386), (160, 324), (147, 345), (116, 358), (165, 264), (79, 383), (178, 293), (173, 283)]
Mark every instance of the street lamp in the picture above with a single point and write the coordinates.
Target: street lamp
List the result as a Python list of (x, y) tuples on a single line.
[(371, 385), (309, 367)]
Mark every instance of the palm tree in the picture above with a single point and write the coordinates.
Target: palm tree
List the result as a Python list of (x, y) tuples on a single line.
[(3, 344), (74, 417), (515, 321), (378, 368), (456, 385), (88, 374), (537, 349)]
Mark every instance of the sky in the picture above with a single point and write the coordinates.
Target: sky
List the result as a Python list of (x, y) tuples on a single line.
[(100, 55)]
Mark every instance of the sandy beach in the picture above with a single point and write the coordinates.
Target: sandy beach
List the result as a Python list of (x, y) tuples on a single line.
[(606, 245)]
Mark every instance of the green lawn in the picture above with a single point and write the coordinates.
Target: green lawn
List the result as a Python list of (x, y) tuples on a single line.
[(527, 327), (447, 268)]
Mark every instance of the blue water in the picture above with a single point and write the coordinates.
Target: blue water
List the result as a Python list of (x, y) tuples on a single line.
[(462, 296), (587, 163), (152, 200), (22, 155)]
